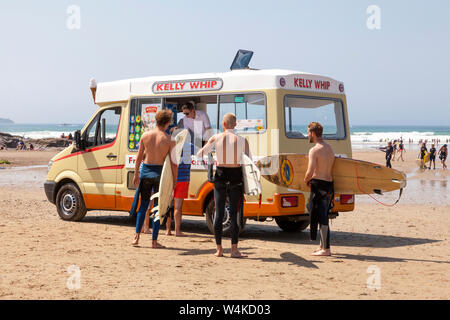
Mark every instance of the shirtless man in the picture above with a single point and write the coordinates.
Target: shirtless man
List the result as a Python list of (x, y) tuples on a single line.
[(229, 149), (319, 178), (153, 147)]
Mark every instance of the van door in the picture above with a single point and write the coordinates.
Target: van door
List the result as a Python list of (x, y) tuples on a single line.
[(98, 164)]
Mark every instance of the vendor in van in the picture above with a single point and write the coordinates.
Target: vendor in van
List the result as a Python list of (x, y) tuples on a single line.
[(197, 121)]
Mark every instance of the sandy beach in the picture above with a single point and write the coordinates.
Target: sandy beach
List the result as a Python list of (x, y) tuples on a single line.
[(406, 245)]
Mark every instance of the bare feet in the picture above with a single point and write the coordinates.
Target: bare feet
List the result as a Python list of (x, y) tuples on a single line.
[(322, 252), (148, 231), (136, 240), (156, 245), (168, 233), (237, 254), (180, 234), (318, 249), (219, 252)]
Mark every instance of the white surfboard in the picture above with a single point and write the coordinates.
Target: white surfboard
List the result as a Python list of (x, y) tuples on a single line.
[(166, 183), (252, 177)]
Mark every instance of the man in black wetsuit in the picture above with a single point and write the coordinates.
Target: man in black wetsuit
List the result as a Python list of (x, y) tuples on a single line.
[(228, 180), (389, 153), (320, 179)]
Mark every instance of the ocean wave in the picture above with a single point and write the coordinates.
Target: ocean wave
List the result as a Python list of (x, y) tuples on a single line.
[(405, 136), (47, 134)]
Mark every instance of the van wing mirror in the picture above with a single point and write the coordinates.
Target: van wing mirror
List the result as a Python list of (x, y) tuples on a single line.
[(78, 141)]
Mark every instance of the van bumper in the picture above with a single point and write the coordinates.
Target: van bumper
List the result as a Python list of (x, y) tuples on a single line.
[(50, 187)]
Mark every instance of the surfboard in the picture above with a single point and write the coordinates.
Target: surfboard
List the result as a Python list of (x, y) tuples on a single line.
[(349, 176), (252, 177), (426, 157), (166, 182)]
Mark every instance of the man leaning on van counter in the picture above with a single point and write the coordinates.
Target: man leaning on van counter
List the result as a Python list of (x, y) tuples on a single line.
[(193, 119)]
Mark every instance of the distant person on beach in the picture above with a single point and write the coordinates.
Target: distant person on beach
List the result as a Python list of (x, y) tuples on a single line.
[(443, 153), (394, 147), (228, 180), (389, 150), (422, 152), (401, 149), (153, 147), (432, 157), (320, 179), (70, 137)]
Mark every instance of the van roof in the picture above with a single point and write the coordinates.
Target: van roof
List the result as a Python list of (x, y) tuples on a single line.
[(236, 80)]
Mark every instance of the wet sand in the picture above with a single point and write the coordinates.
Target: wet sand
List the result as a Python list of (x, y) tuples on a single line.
[(407, 245)]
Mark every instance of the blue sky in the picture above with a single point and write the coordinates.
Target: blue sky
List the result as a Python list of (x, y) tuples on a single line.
[(399, 74)]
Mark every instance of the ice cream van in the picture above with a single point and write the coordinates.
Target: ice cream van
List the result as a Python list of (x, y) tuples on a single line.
[(273, 108)]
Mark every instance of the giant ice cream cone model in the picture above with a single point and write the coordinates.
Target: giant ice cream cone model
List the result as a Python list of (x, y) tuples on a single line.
[(93, 86)]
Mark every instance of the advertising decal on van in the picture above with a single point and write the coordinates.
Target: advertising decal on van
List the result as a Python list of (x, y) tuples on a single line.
[(187, 85)]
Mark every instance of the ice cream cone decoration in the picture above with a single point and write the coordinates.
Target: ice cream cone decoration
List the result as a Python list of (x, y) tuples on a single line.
[(93, 86)]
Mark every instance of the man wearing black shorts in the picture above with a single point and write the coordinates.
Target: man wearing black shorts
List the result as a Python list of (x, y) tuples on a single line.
[(432, 157)]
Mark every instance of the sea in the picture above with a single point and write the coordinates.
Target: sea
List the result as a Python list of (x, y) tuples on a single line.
[(362, 136)]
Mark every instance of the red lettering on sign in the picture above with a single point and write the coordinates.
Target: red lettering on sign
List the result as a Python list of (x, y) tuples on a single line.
[(159, 87), (194, 85)]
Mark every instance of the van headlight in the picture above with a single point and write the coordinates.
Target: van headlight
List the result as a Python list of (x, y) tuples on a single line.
[(50, 163)]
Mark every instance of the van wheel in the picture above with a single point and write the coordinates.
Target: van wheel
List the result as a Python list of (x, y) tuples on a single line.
[(211, 212), (289, 225), (70, 203)]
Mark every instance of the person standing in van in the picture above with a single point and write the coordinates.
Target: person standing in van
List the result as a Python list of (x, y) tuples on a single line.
[(228, 180), (319, 177), (153, 147), (197, 121)]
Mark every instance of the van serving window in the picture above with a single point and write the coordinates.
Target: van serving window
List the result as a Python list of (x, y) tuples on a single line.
[(250, 111), (299, 111)]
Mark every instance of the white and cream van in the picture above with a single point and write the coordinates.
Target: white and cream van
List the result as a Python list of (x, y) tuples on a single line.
[(273, 108)]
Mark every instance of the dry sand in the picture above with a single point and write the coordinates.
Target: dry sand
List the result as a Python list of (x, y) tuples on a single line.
[(407, 245)]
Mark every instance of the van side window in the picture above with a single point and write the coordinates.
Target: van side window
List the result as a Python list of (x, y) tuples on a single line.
[(299, 111), (103, 128), (250, 111)]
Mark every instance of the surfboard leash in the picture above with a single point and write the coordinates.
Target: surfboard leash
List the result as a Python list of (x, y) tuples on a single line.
[(359, 187)]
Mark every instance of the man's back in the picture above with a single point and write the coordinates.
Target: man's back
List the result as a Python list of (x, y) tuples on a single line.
[(229, 149), (323, 155), (157, 145)]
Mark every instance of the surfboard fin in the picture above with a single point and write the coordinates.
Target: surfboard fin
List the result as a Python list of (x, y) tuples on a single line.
[(377, 191), (155, 195)]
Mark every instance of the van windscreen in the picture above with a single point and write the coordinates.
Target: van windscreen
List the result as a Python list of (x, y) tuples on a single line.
[(299, 111)]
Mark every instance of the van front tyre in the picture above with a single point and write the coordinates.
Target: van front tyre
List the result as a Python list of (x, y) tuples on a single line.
[(210, 213), (69, 203)]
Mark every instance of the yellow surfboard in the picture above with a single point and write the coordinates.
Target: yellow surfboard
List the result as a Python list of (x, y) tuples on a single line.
[(349, 175)]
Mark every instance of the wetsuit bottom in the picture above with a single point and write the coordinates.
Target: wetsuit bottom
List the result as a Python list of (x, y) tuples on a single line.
[(388, 162), (148, 186), (320, 202), (228, 182)]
